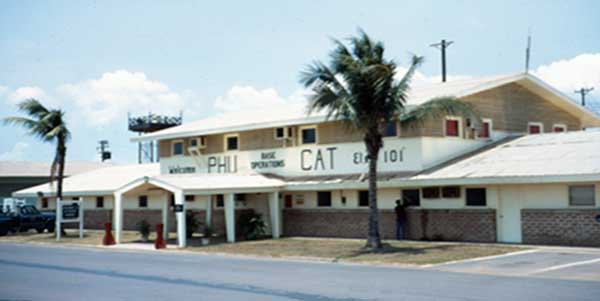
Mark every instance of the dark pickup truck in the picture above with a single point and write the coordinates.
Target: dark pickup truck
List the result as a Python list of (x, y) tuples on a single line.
[(24, 218)]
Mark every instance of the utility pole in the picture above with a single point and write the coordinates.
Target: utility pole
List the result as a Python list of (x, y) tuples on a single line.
[(584, 92), (442, 46), (528, 53)]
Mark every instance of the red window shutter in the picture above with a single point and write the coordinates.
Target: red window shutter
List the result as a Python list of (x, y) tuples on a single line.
[(485, 130), (559, 129), (534, 129), (452, 128)]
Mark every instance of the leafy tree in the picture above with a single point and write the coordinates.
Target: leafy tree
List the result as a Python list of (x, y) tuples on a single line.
[(359, 86), (49, 126)]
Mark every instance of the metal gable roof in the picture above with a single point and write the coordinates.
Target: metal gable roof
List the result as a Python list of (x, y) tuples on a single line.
[(297, 114)]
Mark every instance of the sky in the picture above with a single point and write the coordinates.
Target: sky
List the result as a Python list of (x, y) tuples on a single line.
[(99, 60)]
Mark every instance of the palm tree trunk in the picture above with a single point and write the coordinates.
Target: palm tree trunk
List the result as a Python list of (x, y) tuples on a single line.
[(62, 152), (374, 237)]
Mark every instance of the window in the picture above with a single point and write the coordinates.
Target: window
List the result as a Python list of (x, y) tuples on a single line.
[(308, 135), (220, 201), (190, 198), (412, 197), (143, 201), (100, 202), (177, 148), (363, 198), (231, 142), (75, 198), (486, 127), (535, 128), (240, 197), (44, 203), (279, 133), (324, 199), (559, 128), (431, 193), (582, 195), (476, 197), (389, 129), (451, 192), (452, 127)]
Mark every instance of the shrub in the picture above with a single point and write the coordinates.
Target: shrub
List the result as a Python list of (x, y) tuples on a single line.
[(191, 224), (144, 229), (251, 225), (208, 231)]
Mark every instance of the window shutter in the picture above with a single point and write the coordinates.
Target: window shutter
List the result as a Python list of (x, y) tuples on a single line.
[(452, 128)]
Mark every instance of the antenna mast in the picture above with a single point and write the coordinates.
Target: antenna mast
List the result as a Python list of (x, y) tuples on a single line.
[(103, 150), (442, 46)]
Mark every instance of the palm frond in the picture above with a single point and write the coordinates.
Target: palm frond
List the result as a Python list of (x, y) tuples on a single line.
[(32, 107)]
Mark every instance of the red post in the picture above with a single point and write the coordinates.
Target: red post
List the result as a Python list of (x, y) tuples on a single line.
[(108, 239), (159, 243)]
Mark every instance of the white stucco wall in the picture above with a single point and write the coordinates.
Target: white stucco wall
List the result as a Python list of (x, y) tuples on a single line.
[(513, 198)]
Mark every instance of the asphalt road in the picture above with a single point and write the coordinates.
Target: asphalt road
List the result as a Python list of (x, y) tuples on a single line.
[(31, 272)]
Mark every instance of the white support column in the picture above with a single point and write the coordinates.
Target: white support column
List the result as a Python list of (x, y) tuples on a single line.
[(81, 219), (181, 230), (230, 216), (208, 221), (165, 217), (275, 212), (118, 216), (58, 227)]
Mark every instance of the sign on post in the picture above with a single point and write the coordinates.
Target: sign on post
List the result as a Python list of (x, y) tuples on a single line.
[(178, 208), (69, 212)]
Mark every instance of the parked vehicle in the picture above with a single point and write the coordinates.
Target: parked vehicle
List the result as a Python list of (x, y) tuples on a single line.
[(6, 224), (26, 217)]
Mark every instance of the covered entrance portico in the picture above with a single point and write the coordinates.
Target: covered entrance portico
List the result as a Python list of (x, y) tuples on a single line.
[(204, 185)]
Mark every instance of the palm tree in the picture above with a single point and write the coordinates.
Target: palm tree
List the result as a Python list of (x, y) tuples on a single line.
[(49, 126), (359, 87)]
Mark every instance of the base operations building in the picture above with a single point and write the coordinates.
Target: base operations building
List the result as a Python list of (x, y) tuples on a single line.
[(530, 174)]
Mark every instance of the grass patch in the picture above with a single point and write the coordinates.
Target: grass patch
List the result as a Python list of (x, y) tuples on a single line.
[(394, 252), (345, 250)]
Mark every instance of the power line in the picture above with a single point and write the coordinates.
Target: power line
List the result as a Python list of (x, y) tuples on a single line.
[(584, 92), (442, 46)]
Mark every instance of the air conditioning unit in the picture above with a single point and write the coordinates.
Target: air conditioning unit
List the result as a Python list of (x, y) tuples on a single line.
[(198, 142)]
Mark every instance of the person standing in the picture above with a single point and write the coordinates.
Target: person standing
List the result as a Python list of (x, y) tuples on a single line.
[(400, 210)]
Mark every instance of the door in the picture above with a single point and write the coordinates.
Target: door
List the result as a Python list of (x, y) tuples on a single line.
[(509, 215), (412, 196)]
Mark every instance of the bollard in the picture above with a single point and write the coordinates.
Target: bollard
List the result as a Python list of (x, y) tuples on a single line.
[(159, 243), (108, 239)]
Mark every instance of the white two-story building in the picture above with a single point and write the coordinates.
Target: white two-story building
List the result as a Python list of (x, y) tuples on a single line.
[(530, 174)]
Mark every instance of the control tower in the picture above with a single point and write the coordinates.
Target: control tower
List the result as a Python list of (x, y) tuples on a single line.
[(147, 151)]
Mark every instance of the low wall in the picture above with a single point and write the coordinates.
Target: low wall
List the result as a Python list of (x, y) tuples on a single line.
[(96, 218), (574, 227), (477, 225)]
